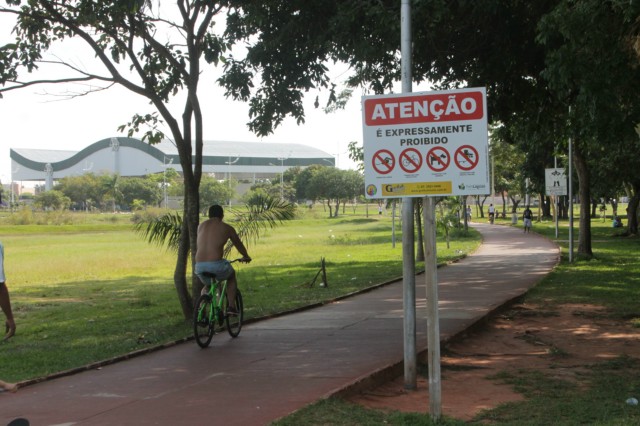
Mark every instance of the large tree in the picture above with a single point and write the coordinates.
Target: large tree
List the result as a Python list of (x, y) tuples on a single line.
[(595, 73), (157, 50), (137, 48)]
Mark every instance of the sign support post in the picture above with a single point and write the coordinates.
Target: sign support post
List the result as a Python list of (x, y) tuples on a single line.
[(408, 246), (433, 318)]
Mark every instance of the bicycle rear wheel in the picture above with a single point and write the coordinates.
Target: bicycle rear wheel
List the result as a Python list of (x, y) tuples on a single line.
[(234, 321), (203, 320)]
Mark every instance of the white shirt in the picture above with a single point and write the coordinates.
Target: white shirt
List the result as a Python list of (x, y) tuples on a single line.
[(2, 277)]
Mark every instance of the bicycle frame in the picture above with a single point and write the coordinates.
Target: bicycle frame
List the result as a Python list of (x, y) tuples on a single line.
[(211, 313), (217, 290)]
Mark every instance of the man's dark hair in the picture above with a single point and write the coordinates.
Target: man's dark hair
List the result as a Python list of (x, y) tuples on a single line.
[(216, 211)]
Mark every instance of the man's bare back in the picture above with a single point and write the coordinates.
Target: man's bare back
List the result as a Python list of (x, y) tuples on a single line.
[(213, 234)]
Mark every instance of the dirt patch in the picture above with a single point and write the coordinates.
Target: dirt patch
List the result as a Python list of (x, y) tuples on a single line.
[(566, 338)]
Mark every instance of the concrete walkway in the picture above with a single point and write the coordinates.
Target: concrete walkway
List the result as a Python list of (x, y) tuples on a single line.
[(280, 365)]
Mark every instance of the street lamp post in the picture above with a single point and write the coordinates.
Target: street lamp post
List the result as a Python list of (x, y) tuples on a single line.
[(282, 174), (229, 163), (281, 177), (164, 180)]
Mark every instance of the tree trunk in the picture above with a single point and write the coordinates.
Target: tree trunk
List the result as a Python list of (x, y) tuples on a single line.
[(632, 210), (194, 221), (192, 173), (546, 207), (594, 208), (464, 213), (584, 234), (480, 205), (563, 210), (180, 272), (614, 207), (540, 207), (188, 237), (514, 204)]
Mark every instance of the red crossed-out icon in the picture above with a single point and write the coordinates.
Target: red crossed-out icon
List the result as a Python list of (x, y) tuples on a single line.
[(438, 159), (383, 161), (466, 157), (410, 160)]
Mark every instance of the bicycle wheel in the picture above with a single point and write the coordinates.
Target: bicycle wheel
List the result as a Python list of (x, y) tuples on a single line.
[(203, 321), (234, 321)]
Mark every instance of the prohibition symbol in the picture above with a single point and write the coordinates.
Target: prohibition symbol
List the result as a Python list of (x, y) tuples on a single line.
[(466, 157), (410, 160), (438, 159), (383, 161)]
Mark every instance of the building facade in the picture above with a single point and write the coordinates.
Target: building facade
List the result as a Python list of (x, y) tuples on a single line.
[(132, 157)]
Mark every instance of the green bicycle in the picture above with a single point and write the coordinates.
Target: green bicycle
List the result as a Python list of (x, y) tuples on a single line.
[(212, 309)]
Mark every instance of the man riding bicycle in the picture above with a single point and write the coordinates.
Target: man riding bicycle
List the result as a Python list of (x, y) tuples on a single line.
[(213, 234)]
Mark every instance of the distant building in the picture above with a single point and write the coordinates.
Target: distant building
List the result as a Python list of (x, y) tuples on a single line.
[(132, 157)]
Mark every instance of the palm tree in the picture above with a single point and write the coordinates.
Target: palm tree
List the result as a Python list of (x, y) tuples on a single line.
[(262, 213)]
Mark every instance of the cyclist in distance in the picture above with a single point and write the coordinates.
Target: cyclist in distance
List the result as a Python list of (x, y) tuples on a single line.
[(213, 234)]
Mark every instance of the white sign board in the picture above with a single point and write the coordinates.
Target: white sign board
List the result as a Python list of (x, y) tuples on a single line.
[(426, 143), (555, 181)]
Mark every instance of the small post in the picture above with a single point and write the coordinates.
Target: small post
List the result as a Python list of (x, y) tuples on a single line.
[(324, 272)]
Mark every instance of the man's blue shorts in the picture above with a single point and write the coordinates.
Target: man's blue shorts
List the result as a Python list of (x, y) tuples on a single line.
[(221, 268)]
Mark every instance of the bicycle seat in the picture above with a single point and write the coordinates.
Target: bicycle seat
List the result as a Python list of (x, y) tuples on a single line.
[(209, 275)]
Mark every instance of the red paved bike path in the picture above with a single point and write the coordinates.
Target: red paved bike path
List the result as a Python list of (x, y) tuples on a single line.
[(279, 365)]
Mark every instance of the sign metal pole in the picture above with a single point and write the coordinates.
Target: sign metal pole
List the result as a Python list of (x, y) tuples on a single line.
[(408, 246)]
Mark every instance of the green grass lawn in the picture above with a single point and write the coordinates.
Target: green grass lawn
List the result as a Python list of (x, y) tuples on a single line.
[(89, 288)]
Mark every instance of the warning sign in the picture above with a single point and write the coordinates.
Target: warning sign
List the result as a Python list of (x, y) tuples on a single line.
[(438, 159), (555, 181), (410, 160), (466, 157), (446, 131)]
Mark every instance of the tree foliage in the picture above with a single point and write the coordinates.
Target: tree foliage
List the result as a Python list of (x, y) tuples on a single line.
[(214, 192), (159, 51), (52, 200), (89, 191), (333, 186)]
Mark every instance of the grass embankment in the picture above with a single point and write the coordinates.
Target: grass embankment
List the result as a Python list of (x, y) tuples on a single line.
[(91, 289), (612, 280)]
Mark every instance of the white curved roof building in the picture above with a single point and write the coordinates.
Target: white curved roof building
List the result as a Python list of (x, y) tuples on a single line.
[(132, 157)]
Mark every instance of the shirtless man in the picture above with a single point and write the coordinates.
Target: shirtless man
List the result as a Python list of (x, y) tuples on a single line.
[(213, 234)]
